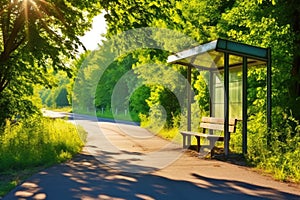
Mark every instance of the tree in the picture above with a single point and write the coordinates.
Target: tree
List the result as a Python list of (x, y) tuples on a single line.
[(108, 81), (266, 23), (138, 103), (36, 36), (269, 24), (61, 99), (57, 96), (122, 15), (289, 14)]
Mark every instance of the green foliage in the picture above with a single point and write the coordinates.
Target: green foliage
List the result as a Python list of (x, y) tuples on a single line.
[(202, 96), (108, 81), (15, 104), (124, 15), (37, 35), (62, 100), (171, 134), (280, 156), (36, 38), (262, 25), (88, 72), (56, 97), (30, 145), (138, 104), (38, 141)]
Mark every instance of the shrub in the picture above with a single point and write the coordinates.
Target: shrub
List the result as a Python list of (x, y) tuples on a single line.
[(38, 141), (280, 155)]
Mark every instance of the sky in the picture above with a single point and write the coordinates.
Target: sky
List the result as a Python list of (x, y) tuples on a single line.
[(93, 37)]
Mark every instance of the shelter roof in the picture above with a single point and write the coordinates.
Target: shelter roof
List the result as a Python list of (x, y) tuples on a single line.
[(210, 56)]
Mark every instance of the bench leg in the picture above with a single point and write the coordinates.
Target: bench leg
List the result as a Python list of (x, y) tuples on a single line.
[(212, 146), (189, 141), (212, 152), (186, 141), (198, 143)]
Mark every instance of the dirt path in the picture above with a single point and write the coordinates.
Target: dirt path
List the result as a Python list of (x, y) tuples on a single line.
[(126, 162)]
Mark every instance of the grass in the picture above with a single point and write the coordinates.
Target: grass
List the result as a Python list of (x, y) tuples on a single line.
[(119, 116), (107, 114), (33, 144), (61, 109), (171, 134)]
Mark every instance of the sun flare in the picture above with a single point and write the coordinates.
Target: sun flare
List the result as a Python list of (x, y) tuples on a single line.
[(33, 10)]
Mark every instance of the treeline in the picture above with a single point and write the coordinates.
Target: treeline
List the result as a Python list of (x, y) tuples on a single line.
[(59, 96), (258, 23)]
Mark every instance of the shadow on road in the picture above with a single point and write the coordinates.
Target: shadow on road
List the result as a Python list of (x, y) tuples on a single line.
[(86, 178)]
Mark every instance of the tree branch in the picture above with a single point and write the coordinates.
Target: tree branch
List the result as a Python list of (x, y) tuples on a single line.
[(9, 43)]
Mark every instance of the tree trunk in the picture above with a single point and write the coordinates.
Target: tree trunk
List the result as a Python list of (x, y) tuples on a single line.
[(295, 72)]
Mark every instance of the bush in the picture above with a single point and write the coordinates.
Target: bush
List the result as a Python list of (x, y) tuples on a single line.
[(38, 141), (280, 155)]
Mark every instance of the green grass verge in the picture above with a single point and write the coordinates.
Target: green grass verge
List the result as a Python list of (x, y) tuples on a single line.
[(109, 115), (120, 116), (171, 134), (33, 144), (61, 109)]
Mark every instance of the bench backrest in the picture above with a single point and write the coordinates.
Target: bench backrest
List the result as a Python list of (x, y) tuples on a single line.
[(213, 123)]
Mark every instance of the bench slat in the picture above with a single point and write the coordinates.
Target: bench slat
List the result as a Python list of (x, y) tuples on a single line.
[(218, 127), (218, 120), (200, 134), (190, 133), (209, 123)]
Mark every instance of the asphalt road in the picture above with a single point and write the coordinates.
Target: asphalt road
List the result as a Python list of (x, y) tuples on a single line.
[(122, 161)]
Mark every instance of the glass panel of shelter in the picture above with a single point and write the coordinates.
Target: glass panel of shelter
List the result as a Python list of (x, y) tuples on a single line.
[(235, 92)]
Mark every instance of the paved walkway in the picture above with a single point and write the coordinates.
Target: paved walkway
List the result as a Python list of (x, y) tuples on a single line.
[(127, 171)]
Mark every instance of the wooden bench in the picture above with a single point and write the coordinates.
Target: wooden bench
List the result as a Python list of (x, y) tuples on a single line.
[(211, 124)]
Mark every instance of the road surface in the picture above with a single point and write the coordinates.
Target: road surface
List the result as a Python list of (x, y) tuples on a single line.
[(122, 161)]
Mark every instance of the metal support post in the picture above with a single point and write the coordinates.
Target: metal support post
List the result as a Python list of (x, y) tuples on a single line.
[(226, 103), (245, 107)]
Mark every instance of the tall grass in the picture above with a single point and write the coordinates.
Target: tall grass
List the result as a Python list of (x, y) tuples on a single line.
[(38, 141), (33, 143), (280, 156)]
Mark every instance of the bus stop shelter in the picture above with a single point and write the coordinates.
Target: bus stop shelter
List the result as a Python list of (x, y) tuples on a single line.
[(225, 56)]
